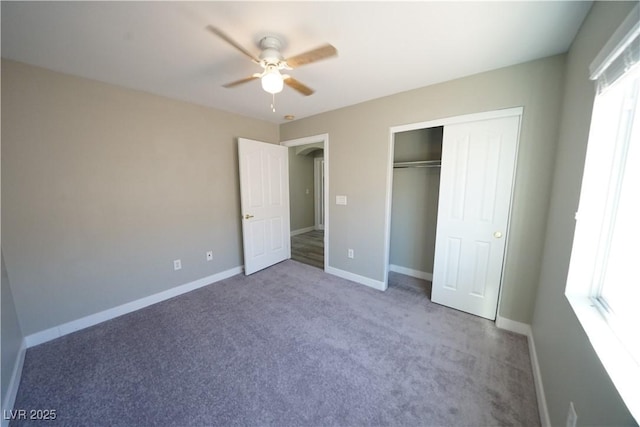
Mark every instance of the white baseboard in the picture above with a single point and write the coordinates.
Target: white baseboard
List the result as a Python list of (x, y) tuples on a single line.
[(513, 326), (411, 272), (525, 329), (94, 319), (375, 284), (302, 230), (14, 383), (545, 421)]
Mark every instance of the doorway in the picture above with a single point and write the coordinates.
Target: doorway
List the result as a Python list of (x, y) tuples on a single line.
[(414, 212), (308, 183), (473, 208)]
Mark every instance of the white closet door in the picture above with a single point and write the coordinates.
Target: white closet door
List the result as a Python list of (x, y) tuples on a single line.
[(264, 199), (478, 161)]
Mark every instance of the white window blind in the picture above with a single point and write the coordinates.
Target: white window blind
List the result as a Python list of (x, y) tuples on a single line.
[(620, 54)]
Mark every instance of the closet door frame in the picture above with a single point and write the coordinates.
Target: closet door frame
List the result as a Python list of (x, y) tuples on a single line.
[(467, 118)]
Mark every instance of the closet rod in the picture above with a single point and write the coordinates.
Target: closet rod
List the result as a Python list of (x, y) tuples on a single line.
[(418, 164)]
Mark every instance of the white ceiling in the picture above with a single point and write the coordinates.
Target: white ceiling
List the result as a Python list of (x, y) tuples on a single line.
[(383, 47)]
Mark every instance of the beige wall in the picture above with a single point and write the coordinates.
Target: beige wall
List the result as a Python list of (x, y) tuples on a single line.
[(570, 369), (414, 204), (301, 180), (11, 334), (102, 187), (360, 154)]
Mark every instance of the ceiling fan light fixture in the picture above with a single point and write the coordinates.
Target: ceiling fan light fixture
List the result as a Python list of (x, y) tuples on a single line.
[(272, 81)]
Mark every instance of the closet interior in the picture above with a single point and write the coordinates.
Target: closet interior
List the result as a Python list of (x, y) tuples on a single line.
[(414, 205)]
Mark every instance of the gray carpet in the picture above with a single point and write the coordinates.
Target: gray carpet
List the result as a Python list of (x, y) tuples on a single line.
[(287, 346), (308, 248)]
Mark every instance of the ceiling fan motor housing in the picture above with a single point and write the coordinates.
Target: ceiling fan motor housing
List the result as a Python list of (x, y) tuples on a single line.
[(270, 54)]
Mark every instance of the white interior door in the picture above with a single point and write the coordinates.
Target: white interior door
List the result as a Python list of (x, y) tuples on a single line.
[(264, 199), (478, 161)]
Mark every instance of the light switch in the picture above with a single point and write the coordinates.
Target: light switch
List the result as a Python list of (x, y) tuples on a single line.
[(341, 200)]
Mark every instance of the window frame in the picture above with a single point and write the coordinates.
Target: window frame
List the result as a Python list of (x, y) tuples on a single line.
[(629, 130)]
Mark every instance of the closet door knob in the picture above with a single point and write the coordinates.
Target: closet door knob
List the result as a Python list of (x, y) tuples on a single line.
[(497, 234), (247, 216)]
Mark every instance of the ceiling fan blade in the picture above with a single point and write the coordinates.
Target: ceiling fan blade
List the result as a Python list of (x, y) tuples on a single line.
[(241, 81), (323, 52), (295, 84), (218, 32)]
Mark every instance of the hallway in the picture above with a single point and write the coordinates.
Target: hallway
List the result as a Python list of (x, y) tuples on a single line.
[(308, 248)]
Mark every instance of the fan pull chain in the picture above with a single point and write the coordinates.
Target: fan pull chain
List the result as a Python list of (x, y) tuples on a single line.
[(273, 102)]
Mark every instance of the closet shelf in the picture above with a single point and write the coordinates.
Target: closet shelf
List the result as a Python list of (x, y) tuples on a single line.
[(418, 164)]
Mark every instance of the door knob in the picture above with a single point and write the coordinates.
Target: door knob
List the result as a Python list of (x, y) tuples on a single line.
[(247, 216), (497, 234)]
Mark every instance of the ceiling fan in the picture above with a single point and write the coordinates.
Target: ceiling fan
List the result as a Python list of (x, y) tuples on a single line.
[(272, 62)]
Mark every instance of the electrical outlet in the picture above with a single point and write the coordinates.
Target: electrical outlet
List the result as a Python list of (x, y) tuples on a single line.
[(177, 264), (350, 253), (209, 255), (572, 417)]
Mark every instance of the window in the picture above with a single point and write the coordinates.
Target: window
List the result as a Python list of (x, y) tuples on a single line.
[(615, 286), (603, 285)]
